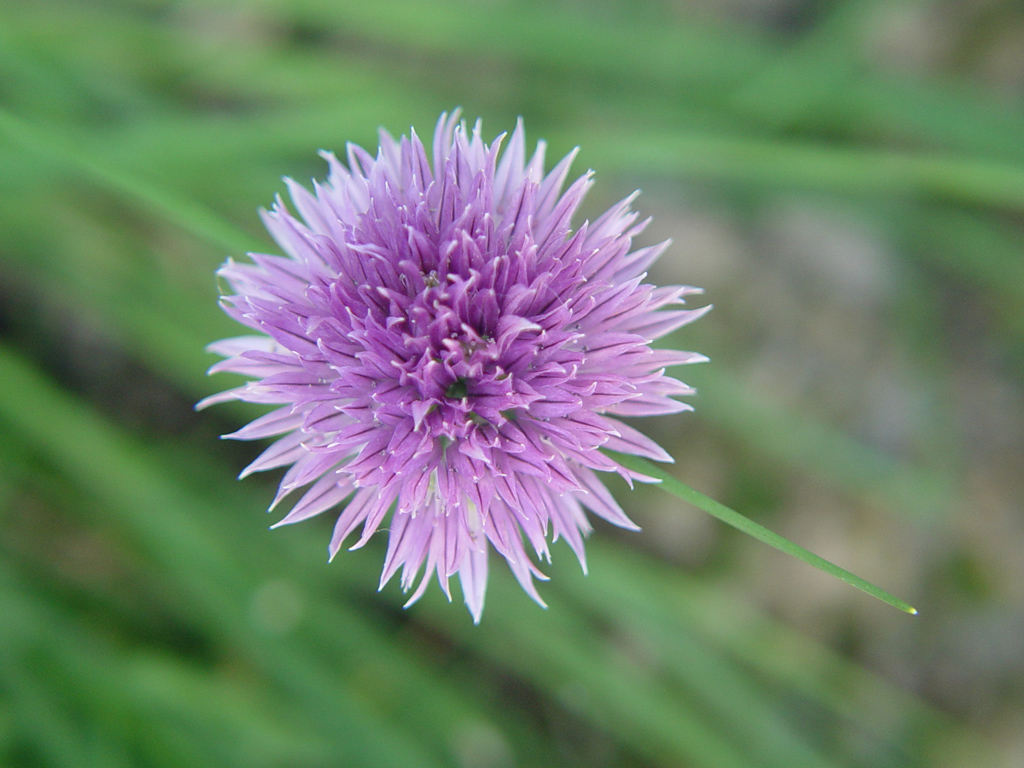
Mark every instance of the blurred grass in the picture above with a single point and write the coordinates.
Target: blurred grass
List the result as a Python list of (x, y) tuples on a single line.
[(147, 616)]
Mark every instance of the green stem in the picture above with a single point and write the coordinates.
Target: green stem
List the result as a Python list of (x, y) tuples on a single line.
[(736, 520)]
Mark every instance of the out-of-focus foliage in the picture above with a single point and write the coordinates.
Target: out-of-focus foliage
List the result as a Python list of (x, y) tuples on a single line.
[(845, 178)]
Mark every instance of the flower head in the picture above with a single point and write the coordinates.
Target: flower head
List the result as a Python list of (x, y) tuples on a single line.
[(450, 356)]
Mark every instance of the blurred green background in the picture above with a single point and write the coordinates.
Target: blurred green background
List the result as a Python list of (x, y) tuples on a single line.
[(846, 179)]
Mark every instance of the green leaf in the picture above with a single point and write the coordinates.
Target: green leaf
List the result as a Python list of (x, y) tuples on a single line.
[(192, 217), (731, 517)]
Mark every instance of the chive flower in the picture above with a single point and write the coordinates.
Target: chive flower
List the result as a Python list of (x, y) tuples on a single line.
[(450, 356)]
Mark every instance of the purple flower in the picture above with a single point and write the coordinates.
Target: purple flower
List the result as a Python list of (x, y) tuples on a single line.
[(450, 356)]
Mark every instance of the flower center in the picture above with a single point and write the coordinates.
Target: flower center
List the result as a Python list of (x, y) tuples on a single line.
[(458, 389)]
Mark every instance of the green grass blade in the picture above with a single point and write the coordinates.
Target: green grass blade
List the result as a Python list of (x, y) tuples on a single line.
[(187, 214), (784, 163), (663, 596), (759, 532)]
